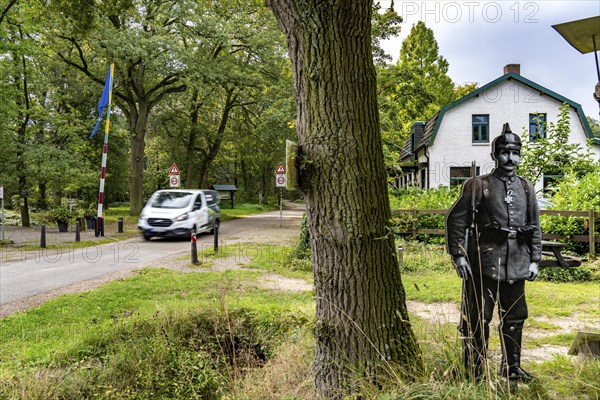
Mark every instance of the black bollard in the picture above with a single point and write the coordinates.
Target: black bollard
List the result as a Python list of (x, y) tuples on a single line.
[(216, 236), (77, 232), (194, 250), (43, 237), (120, 225)]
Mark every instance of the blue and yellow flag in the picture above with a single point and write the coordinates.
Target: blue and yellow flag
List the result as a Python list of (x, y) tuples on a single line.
[(103, 100)]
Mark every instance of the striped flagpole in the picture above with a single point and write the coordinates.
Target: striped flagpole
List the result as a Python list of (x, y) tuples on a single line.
[(100, 220)]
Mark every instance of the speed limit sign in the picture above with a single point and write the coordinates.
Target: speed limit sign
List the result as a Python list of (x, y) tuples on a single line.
[(174, 181), (280, 181)]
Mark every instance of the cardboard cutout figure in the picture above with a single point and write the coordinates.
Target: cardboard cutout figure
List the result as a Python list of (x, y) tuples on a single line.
[(493, 235)]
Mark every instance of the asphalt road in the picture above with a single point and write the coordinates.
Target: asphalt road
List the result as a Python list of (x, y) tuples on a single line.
[(27, 274)]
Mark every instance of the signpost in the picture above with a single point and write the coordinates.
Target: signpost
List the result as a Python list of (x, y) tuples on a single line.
[(174, 179), (280, 182)]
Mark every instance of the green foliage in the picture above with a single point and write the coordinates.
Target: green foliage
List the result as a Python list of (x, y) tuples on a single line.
[(419, 257), (413, 89), (161, 334), (554, 155), (385, 25), (561, 275), (91, 211), (413, 198), (578, 193), (299, 258), (594, 125), (60, 214), (302, 250)]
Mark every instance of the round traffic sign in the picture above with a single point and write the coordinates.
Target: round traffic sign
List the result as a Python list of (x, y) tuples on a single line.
[(174, 180), (281, 180)]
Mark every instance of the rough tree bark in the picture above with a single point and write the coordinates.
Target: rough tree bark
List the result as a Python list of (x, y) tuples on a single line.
[(362, 324)]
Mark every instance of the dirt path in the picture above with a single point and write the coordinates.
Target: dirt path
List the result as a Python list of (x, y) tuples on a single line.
[(444, 313)]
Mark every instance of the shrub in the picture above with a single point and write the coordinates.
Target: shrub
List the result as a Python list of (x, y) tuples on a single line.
[(90, 212), (302, 250), (562, 275), (574, 193), (60, 214), (412, 198)]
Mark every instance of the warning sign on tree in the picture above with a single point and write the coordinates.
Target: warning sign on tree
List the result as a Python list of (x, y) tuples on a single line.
[(174, 170)]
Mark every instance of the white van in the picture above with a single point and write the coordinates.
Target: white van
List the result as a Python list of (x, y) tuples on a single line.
[(178, 213)]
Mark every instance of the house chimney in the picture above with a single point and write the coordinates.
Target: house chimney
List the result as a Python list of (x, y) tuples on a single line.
[(515, 68)]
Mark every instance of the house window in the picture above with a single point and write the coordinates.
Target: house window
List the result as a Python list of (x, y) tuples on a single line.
[(537, 126), (481, 124), (550, 182), (460, 174)]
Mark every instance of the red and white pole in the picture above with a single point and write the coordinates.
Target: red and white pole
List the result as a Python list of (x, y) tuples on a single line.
[(100, 220)]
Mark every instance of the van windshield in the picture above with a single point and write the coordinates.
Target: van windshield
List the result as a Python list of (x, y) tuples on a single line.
[(171, 200)]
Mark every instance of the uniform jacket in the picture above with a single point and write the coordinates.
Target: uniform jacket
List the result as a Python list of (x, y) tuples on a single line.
[(506, 237)]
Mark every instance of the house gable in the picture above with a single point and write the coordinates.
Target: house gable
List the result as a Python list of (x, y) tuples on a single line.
[(431, 134)]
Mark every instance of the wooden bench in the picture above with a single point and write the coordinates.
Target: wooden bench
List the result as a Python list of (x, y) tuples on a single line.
[(560, 260), (586, 345)]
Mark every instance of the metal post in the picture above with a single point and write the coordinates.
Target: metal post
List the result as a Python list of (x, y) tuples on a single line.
[(77, 231), (280, 208), (43, 237), (216, 237), (120, 225), (400, 254), (194, 250)]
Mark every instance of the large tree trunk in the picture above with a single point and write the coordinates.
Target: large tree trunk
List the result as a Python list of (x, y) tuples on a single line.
[(362, 325), (137, 135), (24, 104)]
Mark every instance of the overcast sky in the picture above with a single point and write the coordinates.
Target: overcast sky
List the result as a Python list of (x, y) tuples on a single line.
[(478, 38)]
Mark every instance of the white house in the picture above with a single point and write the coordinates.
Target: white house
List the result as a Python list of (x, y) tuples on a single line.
[(440, 151)]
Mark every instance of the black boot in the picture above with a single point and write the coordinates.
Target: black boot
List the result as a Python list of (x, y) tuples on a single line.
[(512, 334)]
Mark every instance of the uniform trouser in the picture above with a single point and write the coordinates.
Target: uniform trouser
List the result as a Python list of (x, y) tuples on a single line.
[(480, 296)]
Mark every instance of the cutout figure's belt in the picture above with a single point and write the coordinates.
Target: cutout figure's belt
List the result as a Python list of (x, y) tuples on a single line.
[(524, 231)]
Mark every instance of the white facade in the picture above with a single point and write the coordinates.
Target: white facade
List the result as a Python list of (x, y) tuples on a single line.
[(508, 101)]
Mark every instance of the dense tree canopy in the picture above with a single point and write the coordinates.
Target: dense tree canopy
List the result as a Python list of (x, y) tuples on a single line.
[(194, 82), (413, 89)]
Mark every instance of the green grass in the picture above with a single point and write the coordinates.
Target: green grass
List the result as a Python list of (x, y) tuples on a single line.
[(241, 210), (165, 334), (144, 333)]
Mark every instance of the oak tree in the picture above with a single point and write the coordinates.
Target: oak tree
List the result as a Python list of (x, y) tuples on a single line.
[(362, 325)]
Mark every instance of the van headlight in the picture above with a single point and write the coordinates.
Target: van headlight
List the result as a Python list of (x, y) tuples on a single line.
[(182, 217), (142, 217)]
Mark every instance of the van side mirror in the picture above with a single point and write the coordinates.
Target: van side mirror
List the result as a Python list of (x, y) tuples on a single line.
[(197, 207)]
